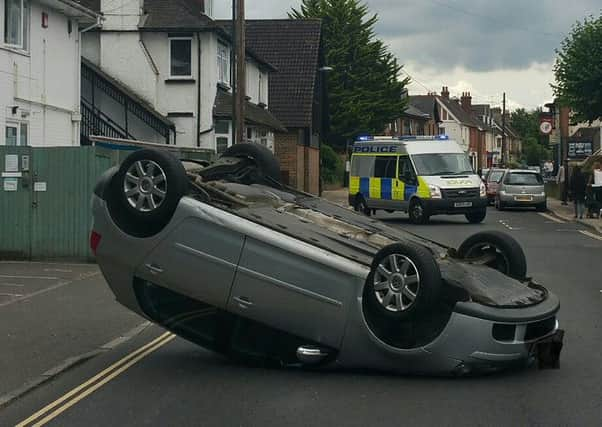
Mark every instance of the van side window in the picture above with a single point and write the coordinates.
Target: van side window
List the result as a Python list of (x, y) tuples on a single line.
[(362, 166), (385, 166)]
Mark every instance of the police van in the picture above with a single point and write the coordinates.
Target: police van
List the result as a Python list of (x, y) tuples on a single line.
[(422, 176)]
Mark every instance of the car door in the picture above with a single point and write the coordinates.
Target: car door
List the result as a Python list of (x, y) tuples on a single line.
[(197, 259), (287, 285)]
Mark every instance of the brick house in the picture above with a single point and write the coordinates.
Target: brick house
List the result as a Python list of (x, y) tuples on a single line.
[(297, 93), (413, 121)]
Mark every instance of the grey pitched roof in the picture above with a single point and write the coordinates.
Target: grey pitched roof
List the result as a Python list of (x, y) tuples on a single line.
[(415, 112), (175, 14), (426, 104), (459, 113), (253, 113), (293, 47)]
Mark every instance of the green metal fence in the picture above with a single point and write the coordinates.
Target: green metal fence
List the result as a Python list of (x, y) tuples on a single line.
[(45, 198)]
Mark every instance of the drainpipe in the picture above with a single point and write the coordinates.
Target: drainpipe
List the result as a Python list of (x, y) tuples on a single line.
[(198, 80)]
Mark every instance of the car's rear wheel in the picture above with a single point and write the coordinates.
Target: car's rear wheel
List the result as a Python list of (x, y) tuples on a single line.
[(499, 205), (417, 212), (476, 216), (496, 250), (145, 192), (403, 282)]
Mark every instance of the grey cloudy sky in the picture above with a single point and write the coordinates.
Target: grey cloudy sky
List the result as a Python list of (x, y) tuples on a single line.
[(482, 46)]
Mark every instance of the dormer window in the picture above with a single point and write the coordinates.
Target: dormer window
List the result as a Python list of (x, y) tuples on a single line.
[(180, 57)]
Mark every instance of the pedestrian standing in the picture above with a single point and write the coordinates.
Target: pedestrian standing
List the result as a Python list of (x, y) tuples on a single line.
[(595, 182), (561, 181), (578, 190)]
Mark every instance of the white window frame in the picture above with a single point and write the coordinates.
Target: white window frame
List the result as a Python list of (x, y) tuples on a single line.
[(25, 27), (223, 76), (18, 126), (209, 8), (176, 77), (261, 99)]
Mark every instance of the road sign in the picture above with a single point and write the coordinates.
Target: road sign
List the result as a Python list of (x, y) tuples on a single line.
[(545, 125)]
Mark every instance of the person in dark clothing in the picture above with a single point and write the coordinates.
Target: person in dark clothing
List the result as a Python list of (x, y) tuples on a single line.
[(578, 186)]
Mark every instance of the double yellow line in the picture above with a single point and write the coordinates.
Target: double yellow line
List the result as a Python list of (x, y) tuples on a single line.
[(63, 403)]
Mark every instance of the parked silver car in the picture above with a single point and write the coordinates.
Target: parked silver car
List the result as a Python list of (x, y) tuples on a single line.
[(227, 257), (521, 188)]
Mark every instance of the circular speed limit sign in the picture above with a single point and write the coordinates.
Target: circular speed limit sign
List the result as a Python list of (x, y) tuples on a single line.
[(545, 127)]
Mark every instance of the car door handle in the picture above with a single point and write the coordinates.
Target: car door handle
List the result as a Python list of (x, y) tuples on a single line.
[(243, 302), (154, 269)]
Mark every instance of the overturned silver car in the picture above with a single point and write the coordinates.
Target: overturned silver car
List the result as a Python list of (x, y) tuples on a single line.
[(227, 257)]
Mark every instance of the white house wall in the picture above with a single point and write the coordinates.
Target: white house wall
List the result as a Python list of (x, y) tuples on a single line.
[(44, 82), (121, 15)]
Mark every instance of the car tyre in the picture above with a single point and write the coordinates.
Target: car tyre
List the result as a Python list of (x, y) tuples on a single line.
[(404, 281), (497, 250), (499, 205), (268, 167), (417, 212), (542, 207), (144, 193), (476, 217)]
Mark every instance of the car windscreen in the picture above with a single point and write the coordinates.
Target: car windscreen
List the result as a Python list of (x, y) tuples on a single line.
[(442, 164), (523, 178), (495, 176)]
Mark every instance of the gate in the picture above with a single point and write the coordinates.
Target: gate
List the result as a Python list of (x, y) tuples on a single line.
[(45, 199)]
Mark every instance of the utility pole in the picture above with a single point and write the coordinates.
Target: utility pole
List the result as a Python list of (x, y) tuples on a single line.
[(239, 97), (504, 151), (233, 72)]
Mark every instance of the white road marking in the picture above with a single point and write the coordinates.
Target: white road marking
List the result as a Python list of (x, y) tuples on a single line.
[(552, 218), (592, 235), (57, 270), (11, 295), (12, 285), (3, 276)]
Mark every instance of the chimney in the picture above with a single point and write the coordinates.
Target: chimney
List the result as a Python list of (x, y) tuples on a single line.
[(445, 92), (466, 102)]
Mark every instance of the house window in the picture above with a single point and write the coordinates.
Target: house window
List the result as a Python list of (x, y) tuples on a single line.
[(222, 127), (249, 134), (221, 144), (16, 23), (407, 127), (180, 57), (223, 64), (16, 134), (261, 84), (209, 8)]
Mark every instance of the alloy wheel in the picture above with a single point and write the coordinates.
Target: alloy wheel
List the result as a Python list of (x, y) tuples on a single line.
[(145, 186), (397, 283)]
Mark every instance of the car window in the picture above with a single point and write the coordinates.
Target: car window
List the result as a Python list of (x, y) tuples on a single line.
[(362, 166), (406, 170), (495, 176), (523, 178), (385, 166)]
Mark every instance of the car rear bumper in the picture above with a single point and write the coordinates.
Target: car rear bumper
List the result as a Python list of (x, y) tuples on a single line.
[(514, 199)]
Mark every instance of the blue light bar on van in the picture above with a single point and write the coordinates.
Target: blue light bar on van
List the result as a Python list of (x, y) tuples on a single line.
[(364, 138), (423, 138)]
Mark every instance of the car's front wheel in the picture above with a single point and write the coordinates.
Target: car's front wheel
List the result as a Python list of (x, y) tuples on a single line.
[(360, 205), (496, 250), (145, 191)]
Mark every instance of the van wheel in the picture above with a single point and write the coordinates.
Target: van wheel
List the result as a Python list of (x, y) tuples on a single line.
[(417, 212), (361, 206), (476, 217)]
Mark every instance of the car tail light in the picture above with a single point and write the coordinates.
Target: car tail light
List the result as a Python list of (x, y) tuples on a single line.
[(94, 241)]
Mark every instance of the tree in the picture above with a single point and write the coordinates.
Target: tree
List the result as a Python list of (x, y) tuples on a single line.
[(526, 125), (578, 70), (365, 92)]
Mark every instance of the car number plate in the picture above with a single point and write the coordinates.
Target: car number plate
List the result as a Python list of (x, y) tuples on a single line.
[(523, 198), (463, 204)]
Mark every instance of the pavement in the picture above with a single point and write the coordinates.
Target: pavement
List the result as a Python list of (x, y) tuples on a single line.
[(158, 379)]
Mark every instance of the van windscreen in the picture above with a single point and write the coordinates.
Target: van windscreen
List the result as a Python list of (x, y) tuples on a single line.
[(442, 164)]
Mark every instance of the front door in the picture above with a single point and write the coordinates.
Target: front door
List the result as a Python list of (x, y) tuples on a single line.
[(407, 179)]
